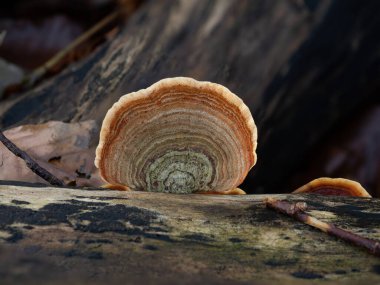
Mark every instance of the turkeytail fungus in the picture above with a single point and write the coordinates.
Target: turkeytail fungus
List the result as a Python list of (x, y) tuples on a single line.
[(333, 186), (179, 135)]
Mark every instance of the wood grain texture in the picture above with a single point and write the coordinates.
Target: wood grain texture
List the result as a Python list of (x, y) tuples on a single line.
[(301, 66), (59, 235)]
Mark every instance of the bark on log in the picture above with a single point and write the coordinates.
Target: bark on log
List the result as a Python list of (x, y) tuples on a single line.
[(61, 236), (301, 66)]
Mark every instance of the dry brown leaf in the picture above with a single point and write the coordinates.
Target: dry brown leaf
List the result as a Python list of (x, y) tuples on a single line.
[(65, 149)]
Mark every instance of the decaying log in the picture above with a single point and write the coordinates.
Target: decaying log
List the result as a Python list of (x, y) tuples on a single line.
[(94, 236), (301, 66)]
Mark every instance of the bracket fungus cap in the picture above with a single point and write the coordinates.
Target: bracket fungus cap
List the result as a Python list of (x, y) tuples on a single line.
[(333, 186), (179, 135)]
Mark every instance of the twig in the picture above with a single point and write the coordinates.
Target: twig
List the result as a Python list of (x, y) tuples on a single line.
[(296, 211), (2, 36), (40, 72), (34, 166)]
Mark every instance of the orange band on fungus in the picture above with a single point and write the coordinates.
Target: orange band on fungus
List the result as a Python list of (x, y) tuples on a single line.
[(334, 187)]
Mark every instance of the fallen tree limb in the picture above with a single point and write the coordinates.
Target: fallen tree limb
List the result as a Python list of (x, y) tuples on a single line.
[(298, 66), (78, 236)]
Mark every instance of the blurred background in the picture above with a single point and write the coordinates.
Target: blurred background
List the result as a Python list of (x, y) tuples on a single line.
[(308, 69)]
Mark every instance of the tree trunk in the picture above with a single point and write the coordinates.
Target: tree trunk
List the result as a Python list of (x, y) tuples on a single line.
[(92, 236), (301, 66)]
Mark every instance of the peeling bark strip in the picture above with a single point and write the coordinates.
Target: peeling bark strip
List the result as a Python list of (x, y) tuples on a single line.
[(297, 211), (34, 166)]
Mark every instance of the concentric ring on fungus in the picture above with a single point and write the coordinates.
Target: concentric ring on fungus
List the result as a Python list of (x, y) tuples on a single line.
[(179, 135)]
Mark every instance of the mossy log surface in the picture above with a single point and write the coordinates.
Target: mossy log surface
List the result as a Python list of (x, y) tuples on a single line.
[(59, 235)]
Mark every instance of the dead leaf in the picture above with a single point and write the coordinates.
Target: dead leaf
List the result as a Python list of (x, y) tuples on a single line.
[(65, 149)]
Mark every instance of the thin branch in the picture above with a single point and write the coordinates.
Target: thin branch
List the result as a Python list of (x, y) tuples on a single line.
[(297, 211), (40, 72), (34, 166), (2, 36)]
